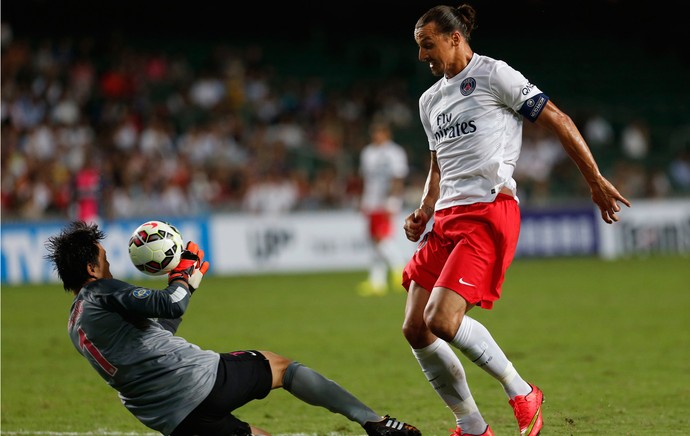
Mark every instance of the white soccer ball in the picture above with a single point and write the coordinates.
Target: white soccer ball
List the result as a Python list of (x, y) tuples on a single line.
[(155, 248)]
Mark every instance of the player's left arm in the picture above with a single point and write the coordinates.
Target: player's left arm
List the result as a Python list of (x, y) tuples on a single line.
[(604, 194)]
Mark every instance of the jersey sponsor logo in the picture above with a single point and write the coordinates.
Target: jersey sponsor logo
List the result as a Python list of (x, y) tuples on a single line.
[(141, 293), (467, 86), (456, 130)]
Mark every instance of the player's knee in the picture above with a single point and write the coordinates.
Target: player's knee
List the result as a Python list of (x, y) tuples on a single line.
[(279, 365), (440, 324), (289, 374), (417, 333)]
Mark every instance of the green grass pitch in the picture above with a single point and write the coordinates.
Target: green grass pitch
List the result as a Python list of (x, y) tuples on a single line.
[(607, 341)]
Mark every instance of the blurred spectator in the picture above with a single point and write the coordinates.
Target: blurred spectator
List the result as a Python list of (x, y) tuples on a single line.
[(540, 154), (327, 189), (6, 34), (155, 140), (88, 188), (679, 165), (598, 132), (659, 184), (272, 193), (631, 178), (207, 91), (635, 139), (679, 170)]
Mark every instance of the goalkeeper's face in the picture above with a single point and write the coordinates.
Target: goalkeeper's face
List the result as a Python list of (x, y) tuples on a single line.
[(101, 270)]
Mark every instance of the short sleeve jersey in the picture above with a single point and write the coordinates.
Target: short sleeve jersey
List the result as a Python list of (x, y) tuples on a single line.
[(160, 377), (380, 164), (473, 121)]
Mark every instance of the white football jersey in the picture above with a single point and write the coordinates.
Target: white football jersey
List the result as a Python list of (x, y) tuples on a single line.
[(474, 123), (379, 165)]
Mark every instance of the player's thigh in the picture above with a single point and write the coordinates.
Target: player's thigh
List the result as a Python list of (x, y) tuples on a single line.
[(242, 376), (470, 264)]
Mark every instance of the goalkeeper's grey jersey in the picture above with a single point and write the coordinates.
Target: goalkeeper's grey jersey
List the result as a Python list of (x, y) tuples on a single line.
[(126, 334)]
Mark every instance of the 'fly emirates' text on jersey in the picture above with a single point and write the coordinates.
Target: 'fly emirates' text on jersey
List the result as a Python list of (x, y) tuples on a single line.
[(473, 122), (126, 334)]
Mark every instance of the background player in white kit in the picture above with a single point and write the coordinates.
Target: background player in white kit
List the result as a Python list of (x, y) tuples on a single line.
[(473, 119), (383, 167), (127, 333)]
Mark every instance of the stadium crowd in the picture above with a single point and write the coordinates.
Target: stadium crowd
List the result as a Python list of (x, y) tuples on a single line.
[(119, 129)]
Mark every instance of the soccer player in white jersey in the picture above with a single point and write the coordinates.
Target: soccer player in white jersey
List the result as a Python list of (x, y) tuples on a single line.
[(473, 118), (383, 167), (127, 334)]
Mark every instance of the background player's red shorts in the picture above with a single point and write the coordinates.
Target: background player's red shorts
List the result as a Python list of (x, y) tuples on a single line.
[(468, 250), (380, 225)]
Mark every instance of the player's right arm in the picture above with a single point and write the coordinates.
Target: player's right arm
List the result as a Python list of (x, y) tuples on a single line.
[(415, 223), (135, 301)]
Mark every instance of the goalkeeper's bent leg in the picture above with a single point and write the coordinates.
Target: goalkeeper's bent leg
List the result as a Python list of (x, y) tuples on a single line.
[(313, 388)]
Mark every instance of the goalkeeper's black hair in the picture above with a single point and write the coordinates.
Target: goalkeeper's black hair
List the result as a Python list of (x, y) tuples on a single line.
[(72, 251)]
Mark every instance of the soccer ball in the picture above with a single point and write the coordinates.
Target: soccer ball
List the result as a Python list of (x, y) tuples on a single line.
[(155, 248)]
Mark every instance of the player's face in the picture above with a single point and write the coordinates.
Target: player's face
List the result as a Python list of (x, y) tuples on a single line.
[(435, 48), (102, 269)]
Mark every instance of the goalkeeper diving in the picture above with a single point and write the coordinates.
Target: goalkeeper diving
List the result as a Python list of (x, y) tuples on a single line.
[(127, 334)]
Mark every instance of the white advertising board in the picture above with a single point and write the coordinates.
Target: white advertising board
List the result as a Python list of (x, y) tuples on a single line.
[(296, 242), (648, 227)]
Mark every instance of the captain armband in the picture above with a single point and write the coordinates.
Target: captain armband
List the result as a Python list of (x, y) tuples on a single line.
[(533, 106)]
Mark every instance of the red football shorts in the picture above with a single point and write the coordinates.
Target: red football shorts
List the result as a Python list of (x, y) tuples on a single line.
[(380, 225), (468, 250)]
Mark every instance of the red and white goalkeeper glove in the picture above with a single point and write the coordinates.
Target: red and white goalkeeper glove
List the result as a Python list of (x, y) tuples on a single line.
[(200, 269), (191, 268)]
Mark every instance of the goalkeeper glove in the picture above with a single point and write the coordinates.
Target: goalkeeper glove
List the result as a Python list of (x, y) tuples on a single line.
[(200, 268), (185, 268)]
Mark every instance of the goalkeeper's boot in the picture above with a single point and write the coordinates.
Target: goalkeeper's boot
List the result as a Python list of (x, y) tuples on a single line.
[(390, 427), (527, 410), (458, 432)]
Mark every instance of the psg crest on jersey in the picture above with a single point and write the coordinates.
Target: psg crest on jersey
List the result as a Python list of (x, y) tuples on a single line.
[(467, 86)]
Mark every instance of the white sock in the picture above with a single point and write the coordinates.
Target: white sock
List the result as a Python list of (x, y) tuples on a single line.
[(475, 342), (377, 273), (444, 371), (392, 253)]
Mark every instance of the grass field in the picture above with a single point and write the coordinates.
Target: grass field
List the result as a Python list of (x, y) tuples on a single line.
[(608, 342)]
